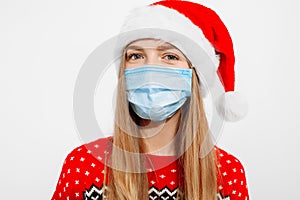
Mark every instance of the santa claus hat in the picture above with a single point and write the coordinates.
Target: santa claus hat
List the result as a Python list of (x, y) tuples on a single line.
[(204, 39)]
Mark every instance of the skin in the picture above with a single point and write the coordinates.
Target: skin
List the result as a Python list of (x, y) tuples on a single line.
[(157, 52)]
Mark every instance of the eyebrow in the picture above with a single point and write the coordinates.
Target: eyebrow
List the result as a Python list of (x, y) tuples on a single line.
[(132, 47), (159, 48)]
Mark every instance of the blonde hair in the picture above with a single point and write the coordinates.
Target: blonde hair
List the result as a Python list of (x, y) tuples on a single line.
[(198, 174)]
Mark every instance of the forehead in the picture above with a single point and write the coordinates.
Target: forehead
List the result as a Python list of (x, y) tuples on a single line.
[(150, 43)]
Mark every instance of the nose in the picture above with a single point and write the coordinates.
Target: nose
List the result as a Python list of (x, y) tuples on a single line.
[(152, 57)]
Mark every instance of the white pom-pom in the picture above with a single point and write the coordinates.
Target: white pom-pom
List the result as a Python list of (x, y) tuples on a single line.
[(232, 106)]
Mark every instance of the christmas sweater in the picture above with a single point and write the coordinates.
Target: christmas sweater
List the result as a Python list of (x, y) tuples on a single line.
[(82, 175)]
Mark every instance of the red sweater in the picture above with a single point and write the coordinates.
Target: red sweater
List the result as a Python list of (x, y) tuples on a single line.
[(82, 175)]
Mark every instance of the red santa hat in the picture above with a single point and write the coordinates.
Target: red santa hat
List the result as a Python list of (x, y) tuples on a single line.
[(204, 39)]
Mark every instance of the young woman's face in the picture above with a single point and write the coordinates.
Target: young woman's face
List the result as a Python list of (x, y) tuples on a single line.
[(154, 52)]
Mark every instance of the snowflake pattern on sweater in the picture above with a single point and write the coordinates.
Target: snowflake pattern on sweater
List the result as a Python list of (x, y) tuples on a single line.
[(82, 175)]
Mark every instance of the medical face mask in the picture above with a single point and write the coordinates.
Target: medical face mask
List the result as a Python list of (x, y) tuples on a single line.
[(156, 93)]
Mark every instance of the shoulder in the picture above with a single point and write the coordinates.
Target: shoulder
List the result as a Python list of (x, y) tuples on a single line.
[(81, 169), (87, 157), (231, 175), (95, 149), (228, 161)]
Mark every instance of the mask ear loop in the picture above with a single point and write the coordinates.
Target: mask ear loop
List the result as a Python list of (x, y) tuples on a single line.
[(194, 69)]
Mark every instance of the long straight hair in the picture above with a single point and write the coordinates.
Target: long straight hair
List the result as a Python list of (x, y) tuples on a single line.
[(198, 176)]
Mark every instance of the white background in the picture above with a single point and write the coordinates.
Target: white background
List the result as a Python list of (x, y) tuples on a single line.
[(44, 43)]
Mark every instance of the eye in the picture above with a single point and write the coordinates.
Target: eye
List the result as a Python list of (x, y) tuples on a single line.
[(134, 56), (171, 57)]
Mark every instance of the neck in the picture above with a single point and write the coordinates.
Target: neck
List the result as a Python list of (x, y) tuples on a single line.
[(158, 137)]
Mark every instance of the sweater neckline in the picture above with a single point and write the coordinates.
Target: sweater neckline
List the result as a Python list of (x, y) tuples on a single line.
[(156, 162)]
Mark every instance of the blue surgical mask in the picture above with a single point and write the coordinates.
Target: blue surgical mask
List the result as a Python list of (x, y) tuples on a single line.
[(156, 93)]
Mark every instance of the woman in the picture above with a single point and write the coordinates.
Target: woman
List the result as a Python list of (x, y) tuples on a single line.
[(162, 147)]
